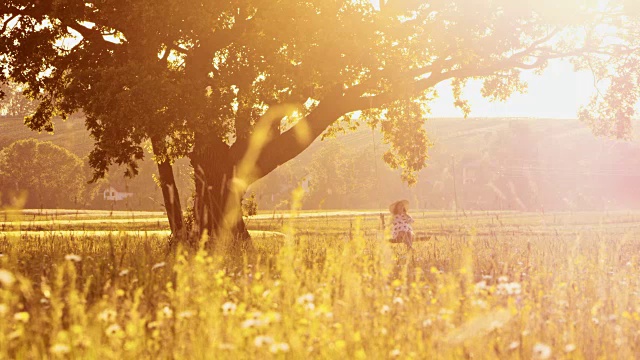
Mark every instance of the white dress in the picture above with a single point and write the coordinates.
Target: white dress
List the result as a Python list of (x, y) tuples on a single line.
[(401, 222)]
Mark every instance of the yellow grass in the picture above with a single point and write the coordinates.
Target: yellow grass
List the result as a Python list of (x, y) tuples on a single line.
[(519, 286)]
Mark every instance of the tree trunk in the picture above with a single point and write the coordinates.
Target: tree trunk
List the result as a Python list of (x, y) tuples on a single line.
[(171, 199), (170, 193), (217, 201)]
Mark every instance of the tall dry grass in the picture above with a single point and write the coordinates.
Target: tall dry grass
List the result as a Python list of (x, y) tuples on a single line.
[(461, 295)]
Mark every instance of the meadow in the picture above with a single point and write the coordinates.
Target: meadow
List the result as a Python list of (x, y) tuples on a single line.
[(327, 285)]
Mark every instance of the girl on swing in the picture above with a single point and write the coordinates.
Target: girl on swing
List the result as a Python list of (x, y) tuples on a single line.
[(401, 229)]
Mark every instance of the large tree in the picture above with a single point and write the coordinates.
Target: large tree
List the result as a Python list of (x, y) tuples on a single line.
[(243, 86), (46, 174)]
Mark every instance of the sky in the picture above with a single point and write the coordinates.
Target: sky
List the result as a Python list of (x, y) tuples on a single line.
[(558, 93)]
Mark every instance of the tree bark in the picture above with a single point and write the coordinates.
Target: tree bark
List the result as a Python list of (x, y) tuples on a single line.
[(217, 201), (170, 193), (171, 199)]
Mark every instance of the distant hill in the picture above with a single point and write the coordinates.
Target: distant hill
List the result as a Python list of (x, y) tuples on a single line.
[(497, 163)]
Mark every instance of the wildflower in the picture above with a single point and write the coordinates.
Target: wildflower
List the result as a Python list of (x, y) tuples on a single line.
[(514, 345), (306, 298), (251, 323), (503, 279), (512, 288), (385, 309), (262, 340), (228, 308), (73, 257), (6, 278), (167, 312), (158, 265), (60, 349), (569, 348), (427, 323), (394, 353), (255, 315), (541, 351), (185, 314), (107, 315), (113, 330), (398, 301), (22, 317), (310, 307), (124, 272), (279, 347)]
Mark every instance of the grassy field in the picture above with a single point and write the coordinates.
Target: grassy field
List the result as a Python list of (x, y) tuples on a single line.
[(324, 285)]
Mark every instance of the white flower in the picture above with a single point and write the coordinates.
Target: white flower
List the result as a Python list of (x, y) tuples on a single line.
[(256, 315), (512, 288), (185, 314), (6, 278), (262, 340), (569, 348), (252, 323), (394, 353), (310, 306), (113, 330), (228, 308), (306, 298), (503, 279), (249, 323), (167, 312), (427, 323), (158, 265), (398, 301), (514, 345), (124, 272), (385, 309), (541, 351), (60, 349), (279, 347), (107, 315), (73, 257)]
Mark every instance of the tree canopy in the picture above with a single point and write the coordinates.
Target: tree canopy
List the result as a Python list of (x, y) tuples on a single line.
[(254, 82)]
